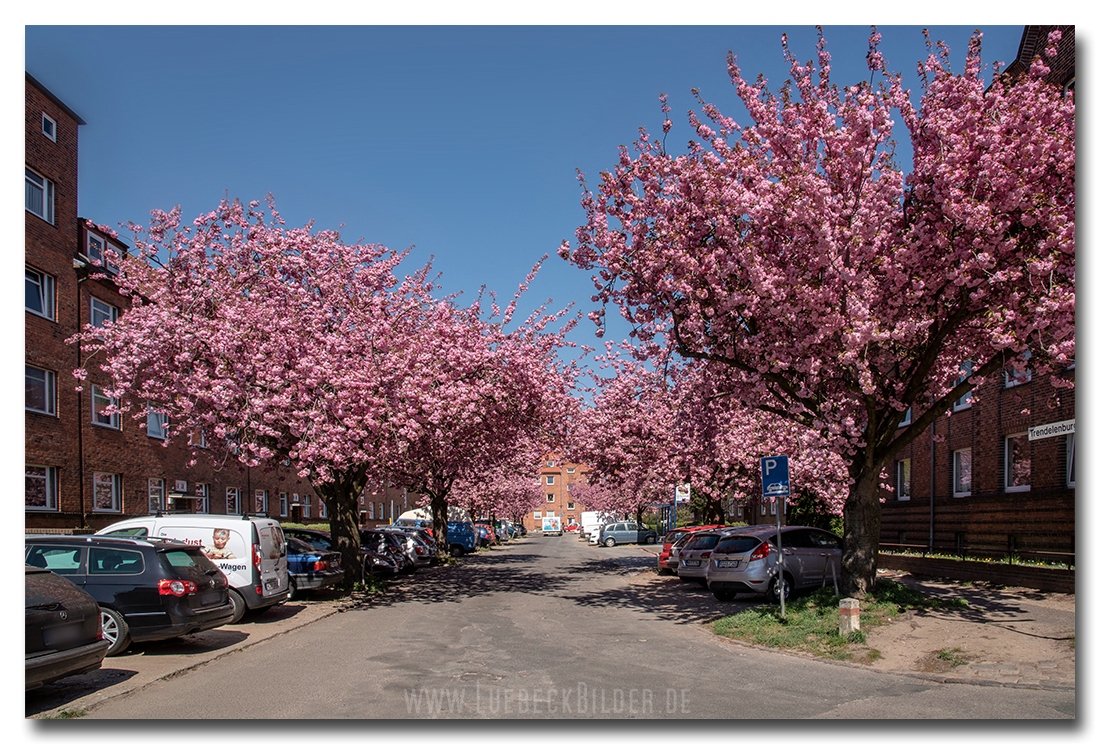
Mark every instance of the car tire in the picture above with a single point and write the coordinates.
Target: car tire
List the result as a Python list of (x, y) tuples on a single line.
[(115, 630), (650, 540), (773, 589), (239, 607), (292, 592), (609, 542), (457, 551)]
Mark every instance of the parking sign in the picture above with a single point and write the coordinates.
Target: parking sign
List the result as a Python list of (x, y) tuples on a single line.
[(775, 476)]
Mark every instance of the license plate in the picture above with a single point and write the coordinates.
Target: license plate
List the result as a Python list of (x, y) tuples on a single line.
[(271, 584), (728, 564), (691, 563), (61, 634)]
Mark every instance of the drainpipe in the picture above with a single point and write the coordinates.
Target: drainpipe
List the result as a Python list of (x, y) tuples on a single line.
[(932, 486), (80, 402)]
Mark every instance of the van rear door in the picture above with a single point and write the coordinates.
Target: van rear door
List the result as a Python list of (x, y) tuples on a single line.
[(273, 565)]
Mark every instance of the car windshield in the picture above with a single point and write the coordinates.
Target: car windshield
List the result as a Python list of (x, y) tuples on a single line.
[(736, 544), (702, 542), (188, 563)]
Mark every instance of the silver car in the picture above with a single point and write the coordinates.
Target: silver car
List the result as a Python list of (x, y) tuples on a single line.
[(694, 554), (747, 561)]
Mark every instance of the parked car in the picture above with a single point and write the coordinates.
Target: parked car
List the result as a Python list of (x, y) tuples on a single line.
[(615, 533), (484, 535), (249, 550), (64, 635), (425, 537), (748, 561), (311, 568), (374, 563), (148, 589), (694, 554), (666, 561), (461, 538), (387, 543), (489, 532), (415, 551)]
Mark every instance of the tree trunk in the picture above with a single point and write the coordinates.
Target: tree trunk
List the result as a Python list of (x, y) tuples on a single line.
[(862, 520), (439, 522), (342, 499)]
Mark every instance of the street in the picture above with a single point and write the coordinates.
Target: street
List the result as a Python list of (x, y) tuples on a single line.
[(542, 628)]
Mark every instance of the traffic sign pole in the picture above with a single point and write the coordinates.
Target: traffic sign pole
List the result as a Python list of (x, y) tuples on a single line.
[(775, 483)]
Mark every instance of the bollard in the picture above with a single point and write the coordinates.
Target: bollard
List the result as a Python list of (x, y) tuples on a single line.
[(849, 616)]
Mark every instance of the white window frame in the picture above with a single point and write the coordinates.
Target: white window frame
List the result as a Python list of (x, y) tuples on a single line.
[(111, 485), (907, 418), (370, 510), (156, 424), (1009, 461), (965, 402), (36, 182), (571, 505), (202, 490), (49, 390), (156, 495), (101, 312), (322, 508), (48, 478), (49, 127), (283, 506), (201, 443), (956, 455), (1071, 456), (260, 501), (549, 480), (45, 286), (549, 498), (537, 514), (570, 470), (903, 474), (101, 400), (551, 514), (1012, 379), (232, 500), (307, 507)]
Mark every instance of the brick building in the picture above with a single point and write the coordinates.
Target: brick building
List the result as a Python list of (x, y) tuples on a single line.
[(998, 475), (86, 469), (557, 479)]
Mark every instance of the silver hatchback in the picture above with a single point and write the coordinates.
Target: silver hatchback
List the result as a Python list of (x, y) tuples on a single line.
[(694, 553), (747, 561)]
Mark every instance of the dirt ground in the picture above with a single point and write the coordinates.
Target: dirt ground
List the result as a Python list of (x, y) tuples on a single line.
[(1002, 625)]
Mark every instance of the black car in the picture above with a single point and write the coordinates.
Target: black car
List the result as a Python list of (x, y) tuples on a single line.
[(390, 544), (310, 567), (148, 589), (63, 633), (374, 563)]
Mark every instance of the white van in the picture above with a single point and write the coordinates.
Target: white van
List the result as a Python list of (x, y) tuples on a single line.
[(249, 550)]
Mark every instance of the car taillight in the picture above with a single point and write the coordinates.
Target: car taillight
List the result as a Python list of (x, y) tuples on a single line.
[(762, 551), (705, 554), (176, 587), (257, 556), (320, 566), (419, 550)]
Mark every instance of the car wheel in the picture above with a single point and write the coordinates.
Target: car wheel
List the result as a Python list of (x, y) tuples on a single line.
[(650, 540), (115, 630), (457, 551), (609, 542), (239, 606), (773, 589), (293, 591)]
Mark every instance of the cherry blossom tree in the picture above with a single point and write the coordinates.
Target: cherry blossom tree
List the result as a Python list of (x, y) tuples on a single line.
[(838, 291)]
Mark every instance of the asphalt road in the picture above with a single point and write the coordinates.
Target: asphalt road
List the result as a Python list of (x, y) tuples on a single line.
[(547, 628)]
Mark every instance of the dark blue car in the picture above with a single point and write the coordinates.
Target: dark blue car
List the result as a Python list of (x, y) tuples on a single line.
[(311, 568)]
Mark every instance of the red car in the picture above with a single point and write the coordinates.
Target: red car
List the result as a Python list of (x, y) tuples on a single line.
[(572, 527), (666, 561)]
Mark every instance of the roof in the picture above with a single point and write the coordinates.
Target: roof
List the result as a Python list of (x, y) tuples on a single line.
[(46, 92)]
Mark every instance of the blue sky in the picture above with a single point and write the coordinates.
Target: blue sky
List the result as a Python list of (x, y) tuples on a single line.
[(462, 141)]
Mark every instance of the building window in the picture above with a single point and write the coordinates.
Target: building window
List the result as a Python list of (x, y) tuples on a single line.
[(1017, 463), (41, 488), (966, 401), (156, 495), (1014, 378), (283, 506), (106, 492), (156, 425), (961, 472), (40, 294), (260, 504), (549, 480), (232, 500), (307, 507), (41, 391), (572, 505), (1071, 473), (903, 483), (370, 510), (322, 508), (202, 490), (197, 438), (49, 127), (102, 312), (100, 403), (570, 470), (551, 514), (39, 196), (907, 418), (549, 497), (538, 515)]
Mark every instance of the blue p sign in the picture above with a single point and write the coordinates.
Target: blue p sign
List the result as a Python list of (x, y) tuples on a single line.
[(775, 476)]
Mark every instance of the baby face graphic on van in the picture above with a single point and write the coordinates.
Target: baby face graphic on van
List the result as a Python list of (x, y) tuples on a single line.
[(221, 542)]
